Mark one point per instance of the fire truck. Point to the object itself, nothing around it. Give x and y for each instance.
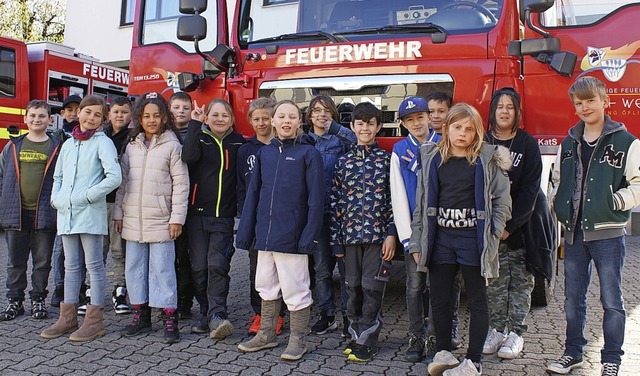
(383, 51)
(51, 72)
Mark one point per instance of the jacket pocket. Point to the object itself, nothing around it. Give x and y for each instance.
(164, 207)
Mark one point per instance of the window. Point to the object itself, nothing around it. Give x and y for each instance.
(276, 2)
(580, 12)
(126, 14)
(7, 72)
(161, 10)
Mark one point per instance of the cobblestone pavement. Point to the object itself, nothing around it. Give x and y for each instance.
(23, 352)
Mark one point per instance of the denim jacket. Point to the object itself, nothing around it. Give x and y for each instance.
(332, 145)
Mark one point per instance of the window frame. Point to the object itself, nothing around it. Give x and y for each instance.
(277, 2)
(15, 72)
(123, 12)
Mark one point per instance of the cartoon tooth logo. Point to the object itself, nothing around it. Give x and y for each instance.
(613, 63)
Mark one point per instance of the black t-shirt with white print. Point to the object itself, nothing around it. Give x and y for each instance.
(456, 200)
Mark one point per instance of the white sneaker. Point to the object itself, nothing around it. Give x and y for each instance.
(493, 342)
(443, 360)
(511, 347)
(466, 368)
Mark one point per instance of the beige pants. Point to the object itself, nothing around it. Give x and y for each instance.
(284, 275)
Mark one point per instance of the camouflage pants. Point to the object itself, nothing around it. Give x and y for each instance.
(509, 295)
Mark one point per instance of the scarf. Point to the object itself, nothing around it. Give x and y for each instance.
(82, 136)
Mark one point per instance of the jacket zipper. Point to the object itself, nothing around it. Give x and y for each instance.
(273, 192)
(46, 168)
(222, 163)
(144, 168)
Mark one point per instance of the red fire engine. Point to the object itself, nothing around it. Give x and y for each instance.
(50, 72)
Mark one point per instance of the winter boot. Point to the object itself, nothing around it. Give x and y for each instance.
(299, 323)
(67, 322)
(266, 336)
(141, 320)
(92, 326)
(171, 329)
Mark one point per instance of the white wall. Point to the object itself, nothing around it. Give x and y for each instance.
(93, 28)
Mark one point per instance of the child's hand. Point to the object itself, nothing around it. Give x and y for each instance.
(416, 257)
(197, 113)
(505, 235)
(389, 248)
(340, 255)
(175, 230)
(117, 223)
(410, 157)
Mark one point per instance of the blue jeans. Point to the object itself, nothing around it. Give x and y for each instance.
(151, 265)
(20, 245)
(57, 263)
(608, 258)
(78, 250)
(323, 264)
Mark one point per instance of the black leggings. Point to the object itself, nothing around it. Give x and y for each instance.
(441, 277)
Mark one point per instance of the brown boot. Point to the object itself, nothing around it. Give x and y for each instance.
(67, 322)
(299, 322)
(92, 326)
(266, 336)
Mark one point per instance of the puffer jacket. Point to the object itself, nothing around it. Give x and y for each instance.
(492, 200)
(361, 199)
(10, 199)
(285, 199)
(154, 190)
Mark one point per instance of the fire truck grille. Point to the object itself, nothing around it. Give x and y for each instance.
(369, 90)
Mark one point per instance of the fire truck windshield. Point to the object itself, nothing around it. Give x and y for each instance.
(355, 19)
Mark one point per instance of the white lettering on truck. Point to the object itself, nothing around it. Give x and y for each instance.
(354, 52)
(104, 73)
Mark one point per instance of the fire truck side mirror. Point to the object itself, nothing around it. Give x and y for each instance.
(193, 6)
(533, 6)
(188, 81)
(192, 28)
(564, 62)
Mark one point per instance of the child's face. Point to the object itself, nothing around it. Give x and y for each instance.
(462, 133)
(365, 130)
(261, 122)
(286, 120)
(320, 116)
(438, 111)
(37, 120)
(591, 110)
(218, 119)
(505, 113)
(90, 117)
(120, 116)
(417, 124)
(70, 113)
(181, 110)
(152, 120)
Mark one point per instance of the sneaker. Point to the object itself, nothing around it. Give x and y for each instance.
(362, 353)
(610, 369)
(83, 301)
(415, 351)
(564, 365)
(279, 325)
(349, 349)
(430, 345)
(443, 360)
(201, 326)
(255, 324)
(511, 347)
(119, 300)
(222, 328)
(13, 310)
(39, 309)
(466, 368)
(456, 343)
(324, 324)
(493, 342)
(57, 297)
(345, 327)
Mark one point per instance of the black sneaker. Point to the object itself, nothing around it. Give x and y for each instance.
(201, 326)
(362, 353)
(430, 345)
(83, 300)
(324, 324)
(39, 309)
(57, 297)
(564, 365)
(456, 343)
(13, 310)
(610, 369)
(345, 327)
(349, 349)
(415, 351)
(119, 300)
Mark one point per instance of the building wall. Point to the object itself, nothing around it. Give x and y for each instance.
(93, 28)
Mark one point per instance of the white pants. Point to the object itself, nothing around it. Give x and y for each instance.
(284, 275)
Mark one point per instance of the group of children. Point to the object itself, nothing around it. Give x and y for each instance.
(456, 197)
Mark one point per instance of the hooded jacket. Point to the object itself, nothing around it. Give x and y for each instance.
(120, 139)
(246, 162)
(492, 200)
(154, 190)
(285, 199)
(607, 190)
(212, 171)
(10, 198)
